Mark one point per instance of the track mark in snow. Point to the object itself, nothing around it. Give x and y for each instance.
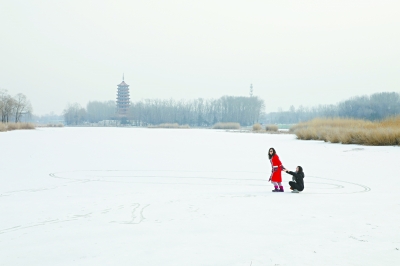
(45, 222)
(20, 227)
(334, 186)
(82, 215)
(193, 208)
(136, 215)
(355, 238)
(10, 229)
(34, 190)
(207, 178)
(105, 211)
(365, 188)
(355, 149)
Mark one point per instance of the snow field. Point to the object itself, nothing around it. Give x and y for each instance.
(127, 196)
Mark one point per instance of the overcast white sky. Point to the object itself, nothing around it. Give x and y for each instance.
(294, 52)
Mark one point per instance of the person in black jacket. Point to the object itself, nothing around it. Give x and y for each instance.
(297, 184)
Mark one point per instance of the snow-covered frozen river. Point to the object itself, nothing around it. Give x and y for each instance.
(127, 196)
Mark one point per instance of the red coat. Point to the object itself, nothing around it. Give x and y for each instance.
(276, 174)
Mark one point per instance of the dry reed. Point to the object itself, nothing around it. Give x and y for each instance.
(227, 125)
(54, 125)
(49, 125)
(169, 125)
(350, 131)
(3, 127)
(271, 128)
(16, 126)
(257, 127)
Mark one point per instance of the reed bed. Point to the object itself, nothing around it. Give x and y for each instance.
(271, 128)
(3, 127)
(54, 125)
(257, 127)
(15, 126)
(169, 125)
(268, 128)
(350, 131)
(227, 125)
(49, 125)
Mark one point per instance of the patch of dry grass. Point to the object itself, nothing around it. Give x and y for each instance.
(3, 127)
(54, 125)
(49, 125)
(257, 127)
(271, 128)
(350, 131)
(268, 129)
(16, 126)
(227, 125)
(169, 125)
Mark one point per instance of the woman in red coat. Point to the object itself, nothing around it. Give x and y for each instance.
(276, 173)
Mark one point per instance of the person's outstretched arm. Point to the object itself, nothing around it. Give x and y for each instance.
(294, 174)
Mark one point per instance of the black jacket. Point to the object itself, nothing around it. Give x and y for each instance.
(298, 178)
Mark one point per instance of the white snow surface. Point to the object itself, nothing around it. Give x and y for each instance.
(136, 196)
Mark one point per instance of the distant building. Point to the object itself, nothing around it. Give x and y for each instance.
(123, 101)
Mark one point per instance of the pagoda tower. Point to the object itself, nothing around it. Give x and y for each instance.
(123, 100)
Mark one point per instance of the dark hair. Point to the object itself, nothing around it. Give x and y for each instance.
(273, 152)
(300, 169)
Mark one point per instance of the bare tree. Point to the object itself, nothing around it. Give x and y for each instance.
(74, 114)
(98, 111)
(198, 112)
(21, 106)
(7, 105)
(374, 107)
(3, 94)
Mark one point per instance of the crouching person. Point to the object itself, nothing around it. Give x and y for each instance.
(297, 183)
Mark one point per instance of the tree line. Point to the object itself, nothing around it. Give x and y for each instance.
(374, 107)
(244, 110)
(198, 112)
(13, 108)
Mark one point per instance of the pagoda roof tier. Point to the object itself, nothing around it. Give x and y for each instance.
(123, 84)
